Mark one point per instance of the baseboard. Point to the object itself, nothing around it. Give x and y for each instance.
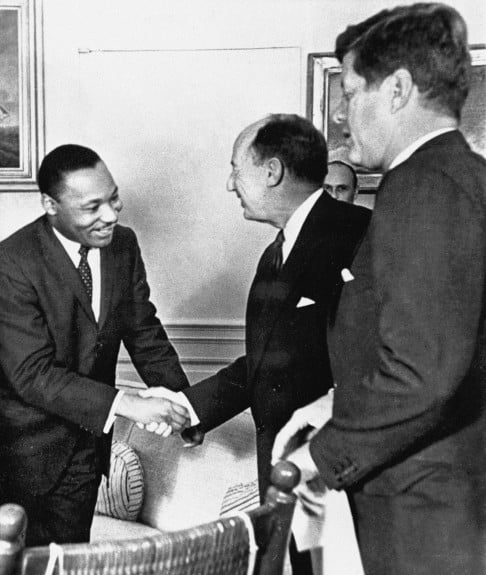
(203, 348)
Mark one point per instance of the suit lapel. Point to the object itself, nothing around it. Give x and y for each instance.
(107, 281)
(62, 266)
(262, 316)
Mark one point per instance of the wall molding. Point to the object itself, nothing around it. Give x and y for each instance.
(203, 347)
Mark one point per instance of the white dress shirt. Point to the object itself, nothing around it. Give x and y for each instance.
(295, 223)
(409, 150)
(72, 250)
(94, 261)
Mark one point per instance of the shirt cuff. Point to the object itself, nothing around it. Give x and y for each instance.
(110, 420)
(182, 398)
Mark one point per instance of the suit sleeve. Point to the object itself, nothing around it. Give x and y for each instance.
(30, 368)
(427, 270)
(145, 338)
(218, 398)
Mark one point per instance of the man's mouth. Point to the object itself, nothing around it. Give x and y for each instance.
(106, 231)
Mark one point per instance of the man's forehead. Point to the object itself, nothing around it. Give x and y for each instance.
(86, 181)
(349, 74)
(339, 170)
(247, 136)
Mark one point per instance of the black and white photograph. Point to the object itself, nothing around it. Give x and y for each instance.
(242, 287)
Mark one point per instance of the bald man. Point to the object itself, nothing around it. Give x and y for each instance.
(341, 182)
(278, 166)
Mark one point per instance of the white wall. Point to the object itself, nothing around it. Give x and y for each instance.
(160, 89)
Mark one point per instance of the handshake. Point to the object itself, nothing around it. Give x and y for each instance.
(161, 411)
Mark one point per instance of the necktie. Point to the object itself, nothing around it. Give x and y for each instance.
(276, 257)
(85, 271)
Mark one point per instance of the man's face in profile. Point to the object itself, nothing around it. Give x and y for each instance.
(340, 183)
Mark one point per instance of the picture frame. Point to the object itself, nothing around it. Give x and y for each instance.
(324, 94)
(21, 94)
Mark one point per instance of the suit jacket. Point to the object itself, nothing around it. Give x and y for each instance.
(286, 363)
(408, 346)
(57, 363)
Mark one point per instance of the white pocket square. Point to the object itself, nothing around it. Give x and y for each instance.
(346, 275)
(305, 301)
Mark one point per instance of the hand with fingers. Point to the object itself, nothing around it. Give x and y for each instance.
(157, 414)
(191, 434)
(303, 424)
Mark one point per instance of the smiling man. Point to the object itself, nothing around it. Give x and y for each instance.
(72, 288)
(277, 169)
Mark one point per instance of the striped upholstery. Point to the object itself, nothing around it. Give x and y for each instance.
(123, 497)
(240, 497)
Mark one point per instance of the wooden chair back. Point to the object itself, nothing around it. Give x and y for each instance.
(220, 547)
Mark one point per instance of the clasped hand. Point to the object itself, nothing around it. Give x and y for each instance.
(161, 414)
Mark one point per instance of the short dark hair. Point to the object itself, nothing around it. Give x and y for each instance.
(61, 161)
(297, 143)
(350, 168)
(428, 39)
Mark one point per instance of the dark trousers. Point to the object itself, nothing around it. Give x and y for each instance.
(65, 513)
(300, 561)
(432, 528)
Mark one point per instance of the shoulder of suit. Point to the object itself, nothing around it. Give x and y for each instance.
(443, 155)
(24, 241)
(354, 214)
(124, 234)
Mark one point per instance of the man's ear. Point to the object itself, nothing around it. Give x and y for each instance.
(49, 204)
(275, 172)
(401, 88)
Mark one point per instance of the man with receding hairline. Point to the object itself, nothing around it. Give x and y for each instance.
(407, 437)
(341, 182)
(277, 169)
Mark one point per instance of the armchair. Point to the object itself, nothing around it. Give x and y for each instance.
(222, 546)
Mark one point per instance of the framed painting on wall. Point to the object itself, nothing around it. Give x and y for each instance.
(21, 93)
(324, 94)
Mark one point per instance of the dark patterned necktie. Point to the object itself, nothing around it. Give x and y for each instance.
(85, 271)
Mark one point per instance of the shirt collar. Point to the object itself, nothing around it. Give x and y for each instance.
(72, 248)
(409, 150)
(296, 221)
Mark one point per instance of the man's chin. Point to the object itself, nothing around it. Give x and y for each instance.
(100, 240)
(355, 157)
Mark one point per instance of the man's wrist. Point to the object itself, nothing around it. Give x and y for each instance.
(110, 420)
(183, 399)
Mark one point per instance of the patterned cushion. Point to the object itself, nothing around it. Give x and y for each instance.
(123, 497)
(240, 497)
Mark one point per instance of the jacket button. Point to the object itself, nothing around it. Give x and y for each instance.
(260, 428)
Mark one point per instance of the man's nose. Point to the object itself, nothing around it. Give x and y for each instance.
(339, 115)
(109, 213)
(230, 183)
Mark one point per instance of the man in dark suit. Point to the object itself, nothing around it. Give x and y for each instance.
(407, 438)
(278, 166)
(60, 333)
